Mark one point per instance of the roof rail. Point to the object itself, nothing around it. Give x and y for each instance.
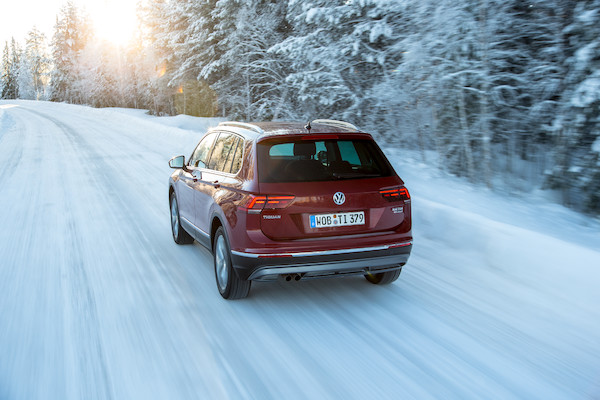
(244, 125)
(333, 122)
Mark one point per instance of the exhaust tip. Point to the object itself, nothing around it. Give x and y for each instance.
(290, 277)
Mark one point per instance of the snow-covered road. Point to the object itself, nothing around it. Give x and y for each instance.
(96, 301)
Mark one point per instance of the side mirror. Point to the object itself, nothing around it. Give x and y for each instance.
(177, 162)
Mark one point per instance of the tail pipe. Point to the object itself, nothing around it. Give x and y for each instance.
(291, 277)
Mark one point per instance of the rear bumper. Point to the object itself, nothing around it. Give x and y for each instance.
(315, 264)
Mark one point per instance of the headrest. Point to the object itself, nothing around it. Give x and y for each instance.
(306, 149)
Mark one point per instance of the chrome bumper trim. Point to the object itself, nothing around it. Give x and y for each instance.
(321, 253)
(330, 269)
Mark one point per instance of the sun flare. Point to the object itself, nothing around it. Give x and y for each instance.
(113, 21)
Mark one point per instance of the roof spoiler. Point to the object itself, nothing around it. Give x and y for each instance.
(336, 123)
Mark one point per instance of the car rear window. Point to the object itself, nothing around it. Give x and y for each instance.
(320, 160)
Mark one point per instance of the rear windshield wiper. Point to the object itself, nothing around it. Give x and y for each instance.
(354, 175)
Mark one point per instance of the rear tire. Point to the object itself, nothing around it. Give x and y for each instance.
(230, 286)
(180, 236)
(384, 278)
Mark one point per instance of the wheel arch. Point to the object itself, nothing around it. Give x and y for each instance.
(171, 191)
(215, 223)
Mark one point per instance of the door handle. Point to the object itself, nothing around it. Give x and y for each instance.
(216, 184)
(196, 175)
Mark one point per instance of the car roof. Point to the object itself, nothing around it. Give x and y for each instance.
(258, 130)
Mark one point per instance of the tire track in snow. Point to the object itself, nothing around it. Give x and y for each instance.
(81, 315)
(8, 137)
(445, 330)
(114, 188)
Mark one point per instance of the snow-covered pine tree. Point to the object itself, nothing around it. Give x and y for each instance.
(525, 70)
(5, 72)
(25, 79)
(146, 85)
(35, 67)
(400, 103)
(249, 80)
(71, 33)
(472, 78)
(11, 61)
(36, 50)
(136, 74)
(576, 173)
(192, 45)
(441, 77)
(331, 58)
(165, 24)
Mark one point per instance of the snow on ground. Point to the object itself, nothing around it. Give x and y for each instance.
(498, 300)
(179, 121)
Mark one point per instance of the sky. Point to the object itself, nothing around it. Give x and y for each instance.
(114, 19)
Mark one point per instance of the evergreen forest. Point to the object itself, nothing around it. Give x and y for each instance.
(503, 93)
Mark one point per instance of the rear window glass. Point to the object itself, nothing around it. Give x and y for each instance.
(325, 160)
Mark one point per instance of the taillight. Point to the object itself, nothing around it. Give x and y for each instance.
(279, 201)
(396, 194)
(258, 203)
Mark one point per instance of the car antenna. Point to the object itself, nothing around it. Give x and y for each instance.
(308, 127)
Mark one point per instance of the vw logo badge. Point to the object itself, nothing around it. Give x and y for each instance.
(339, 198)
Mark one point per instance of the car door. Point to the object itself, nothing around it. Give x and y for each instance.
(211, 178)
(189, 180)
(185, 196)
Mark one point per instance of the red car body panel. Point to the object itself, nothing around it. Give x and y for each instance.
(269, 242)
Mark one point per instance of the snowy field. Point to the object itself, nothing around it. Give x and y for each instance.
(500, 299)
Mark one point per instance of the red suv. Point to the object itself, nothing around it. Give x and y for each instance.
(280, 200)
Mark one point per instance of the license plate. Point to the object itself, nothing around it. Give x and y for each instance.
(338, 219)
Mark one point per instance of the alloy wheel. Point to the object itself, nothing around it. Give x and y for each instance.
(221, 267)
(174, 218)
